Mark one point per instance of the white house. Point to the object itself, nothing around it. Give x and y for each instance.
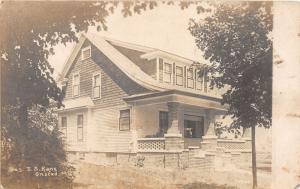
(123, 101)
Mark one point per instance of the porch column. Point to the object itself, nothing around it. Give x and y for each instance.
(210, 139)
(173, 118)
(173, 137)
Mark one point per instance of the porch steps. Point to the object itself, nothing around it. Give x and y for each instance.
(200, 158)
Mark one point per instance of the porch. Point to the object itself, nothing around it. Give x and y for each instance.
(173, 120)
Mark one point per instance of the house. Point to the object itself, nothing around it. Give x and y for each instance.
(125, 101)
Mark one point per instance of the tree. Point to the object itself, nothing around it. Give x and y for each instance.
(29, 31)
(44, 148)
(235, 38)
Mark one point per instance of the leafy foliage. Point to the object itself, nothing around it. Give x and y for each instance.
(235, 38)
(38, 145)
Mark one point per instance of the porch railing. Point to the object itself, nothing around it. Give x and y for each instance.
(151, 144)
(234, 144)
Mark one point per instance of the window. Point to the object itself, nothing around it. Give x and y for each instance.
(163, 122)
(199, 79)
(86, 53)
(76, 79)
(124, 120)
(97, 85)
(167, 72)
(190, 78)
(80, 128)
(206, 80)
(64, 127)
(179, 75)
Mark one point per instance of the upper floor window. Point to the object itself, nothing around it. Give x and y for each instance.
(97, 85)
(86, 53)
(76, 79)
(199, 79)
(124, 120)
(80, 128)
(167, 72)
(190, 78)
(179, 75)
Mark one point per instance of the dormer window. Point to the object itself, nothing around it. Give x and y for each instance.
(76, 79)
(86, 53)
(179, 75)
(167, 72)
(97, 85)
(200, 80)
(190, 78)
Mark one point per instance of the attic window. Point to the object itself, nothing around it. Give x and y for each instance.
(86, 53)
(190, 78)
(179, 75)
(167, 72)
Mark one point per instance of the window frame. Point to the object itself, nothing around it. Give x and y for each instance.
(94, 85)
(84, 49)
(160, 123)
(80, 127)
(190, 78)
(199, 80)
(178, 75)
(129, 121)
(73, 84)
(166, 73)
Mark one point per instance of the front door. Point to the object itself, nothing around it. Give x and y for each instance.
(193, 130)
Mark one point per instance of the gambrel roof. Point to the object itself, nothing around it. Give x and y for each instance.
(119, 54)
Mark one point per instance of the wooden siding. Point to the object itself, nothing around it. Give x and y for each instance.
(101, 131)
(72, 143)
(107, 137)
(147, 66)
(114, 83)
(147, 119)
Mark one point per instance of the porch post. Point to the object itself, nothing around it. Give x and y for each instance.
(173, 118)
(210, 139)
(173, 137)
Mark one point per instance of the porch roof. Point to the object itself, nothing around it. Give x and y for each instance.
(200, 100)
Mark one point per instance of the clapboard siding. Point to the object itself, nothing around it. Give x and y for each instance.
(107, 137)
(115, 85)
(72, 143)
(102, 132)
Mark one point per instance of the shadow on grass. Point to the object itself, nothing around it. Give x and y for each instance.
(199, 185)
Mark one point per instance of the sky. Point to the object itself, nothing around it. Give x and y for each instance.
(164, 27)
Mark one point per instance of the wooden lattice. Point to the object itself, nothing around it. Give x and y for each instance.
(151, 144)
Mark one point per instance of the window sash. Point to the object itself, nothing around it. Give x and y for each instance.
(80, 128)
(96, 92)
(63, 122)
(179, 75)
(163, 122)
(167, 72)
(199, 81)
(86, 53)
(124, 120)
(97, 80)
(190, 78)
(76, 79)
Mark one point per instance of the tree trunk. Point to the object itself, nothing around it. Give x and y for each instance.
(254, 170)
